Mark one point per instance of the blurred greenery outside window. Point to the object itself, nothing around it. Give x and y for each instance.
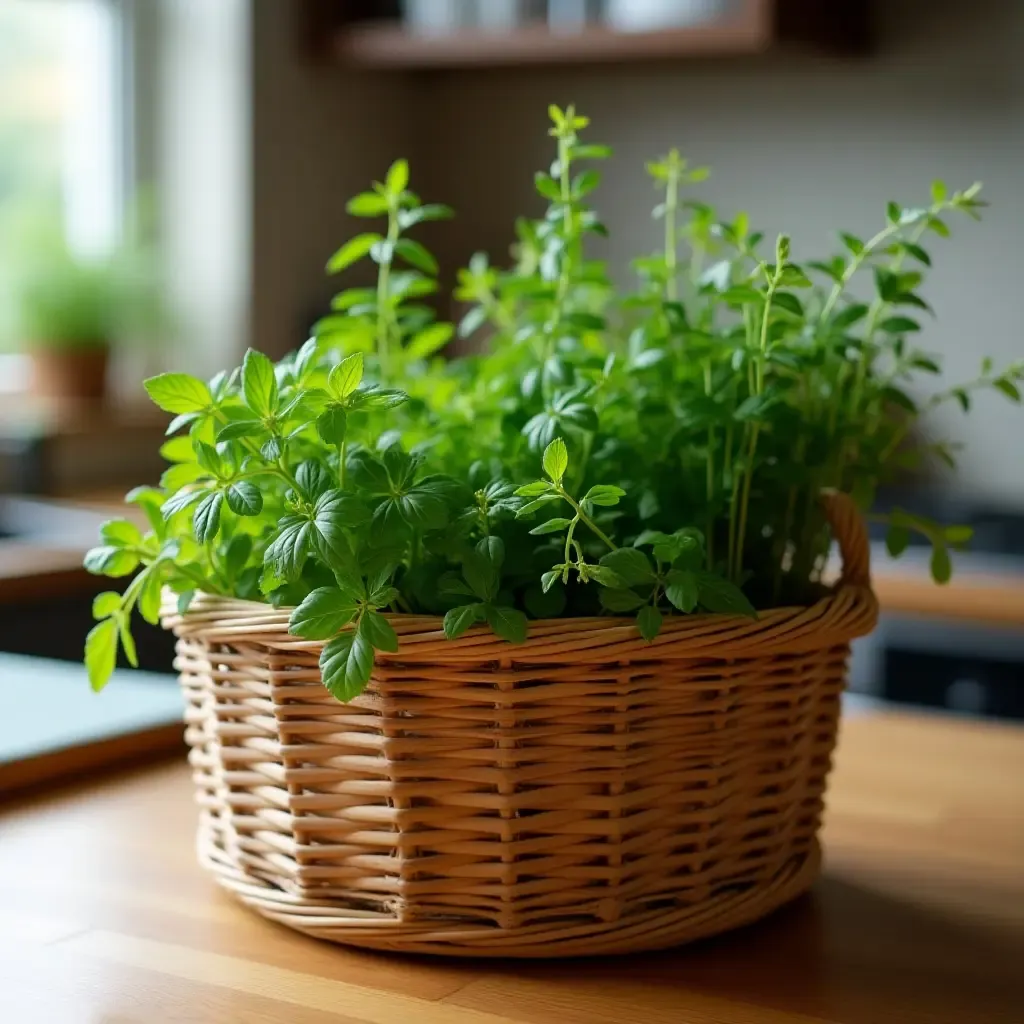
(64, 153)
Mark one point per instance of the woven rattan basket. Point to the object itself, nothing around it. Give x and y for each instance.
(581, 793)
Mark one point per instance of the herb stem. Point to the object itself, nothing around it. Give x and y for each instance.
(383, 289)
(671, 233)
(586, 520)
(759, 364)
(568, 255)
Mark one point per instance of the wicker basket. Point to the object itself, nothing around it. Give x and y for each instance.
(581, 793)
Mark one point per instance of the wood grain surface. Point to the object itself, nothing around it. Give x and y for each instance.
(104, 916)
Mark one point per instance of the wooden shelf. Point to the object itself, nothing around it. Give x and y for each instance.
(388, 46)
(754, 29)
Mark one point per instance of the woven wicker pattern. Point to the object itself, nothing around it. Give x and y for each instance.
(584, 792)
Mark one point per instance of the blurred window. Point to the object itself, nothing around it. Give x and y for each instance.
(63, 144)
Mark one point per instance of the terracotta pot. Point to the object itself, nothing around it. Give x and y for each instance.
(70, 374)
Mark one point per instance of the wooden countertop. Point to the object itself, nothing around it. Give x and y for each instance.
(919, 917)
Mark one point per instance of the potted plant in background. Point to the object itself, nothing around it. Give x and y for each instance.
(535, 651)
(72, 309)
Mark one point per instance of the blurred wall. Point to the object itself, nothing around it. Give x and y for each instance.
(807, 146)
(319, 135)
(193, 80)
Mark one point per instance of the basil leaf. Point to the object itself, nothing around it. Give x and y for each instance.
(178, 393)
(245, 498)
(322, 614)
(509, 623)
(346, 664)
(259, 384)
(101, 653)
(458, 620)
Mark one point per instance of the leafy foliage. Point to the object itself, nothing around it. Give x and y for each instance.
(653, 454)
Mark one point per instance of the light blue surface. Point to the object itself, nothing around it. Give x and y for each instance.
(48, 705)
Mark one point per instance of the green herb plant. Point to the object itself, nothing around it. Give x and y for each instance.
(654, 453)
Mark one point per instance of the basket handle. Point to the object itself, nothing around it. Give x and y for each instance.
(851, 535)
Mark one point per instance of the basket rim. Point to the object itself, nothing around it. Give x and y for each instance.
(849, 610)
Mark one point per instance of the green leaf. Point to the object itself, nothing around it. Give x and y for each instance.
(941, 566)
(509, 623)
(182, 500)
(429, 211)
(534, 489)
(352, 251)
(378, 398)
(209, 458)
(585, 183)
(120, 533)
(1008, 388)
(244, 498)
(557, 525)
(150, 596)
(416, 255)
(899, 398)
(854, 244)
(423, 508)
(332, 424)
(789, 303)
(286, 553)
(429, 340)
(849, 316)
(397, 177)
(793, 277)
(547, 186)
(605, 576)
(618, 599)
(556, 460)
(720, 595)
(322, 614)
(604, 494)
(346, 664)
(206, 518)
(178, 449)
(150, 500)
(240, 428)
(958, 536)
(237, 554)
(917, 252)
(127, 640)
(101, 653)
(897, 539)
(178, 393)
(630, 565)
(105, 604)
(648, 621)
(682, 592)
(458, 620)
(899, 325)
(313, 479)
(346, 376)
(378, 632)
(472, 321)
(481, 574)
(367, 204)
(259, 385)
(334, 513)
(493, 549)
(109, 560)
